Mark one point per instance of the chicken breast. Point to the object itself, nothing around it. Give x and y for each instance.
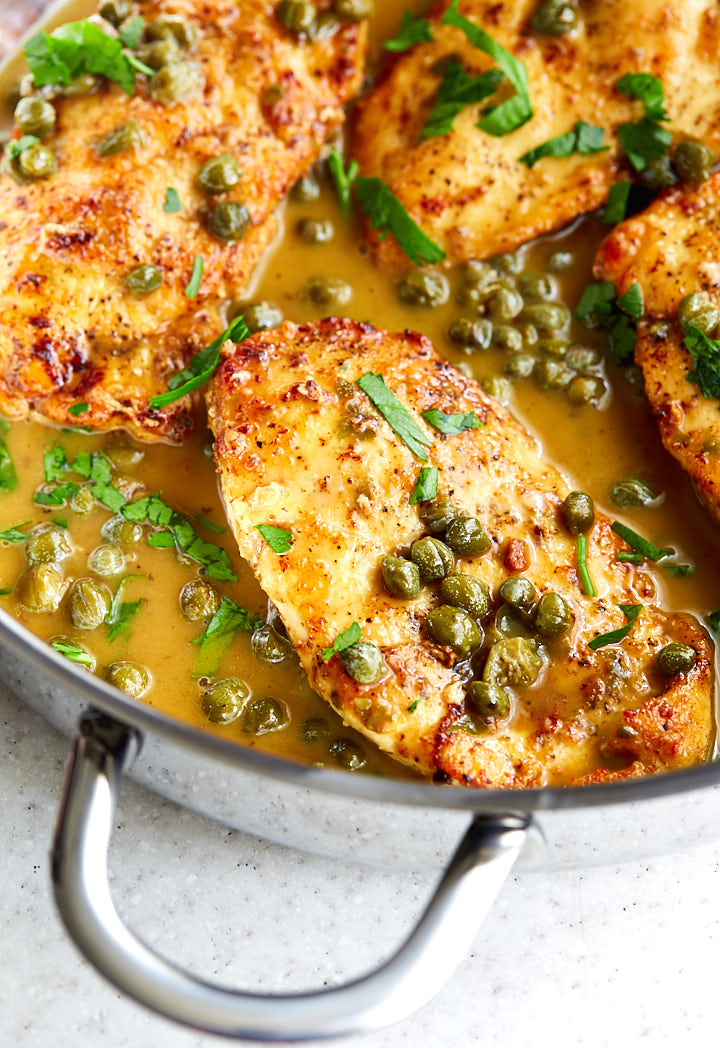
(467, 189)
(670, 250)
(69, 330)
(301, 448)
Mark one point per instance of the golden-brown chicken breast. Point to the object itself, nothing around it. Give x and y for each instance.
(467, 189)
(671, 250)
(70, 331)
(301, 448)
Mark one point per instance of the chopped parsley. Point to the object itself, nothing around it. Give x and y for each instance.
(8, 473)
(412, 31)
(278, 539)
(210, 524)
(196, 276)
(395, 414)
(172, 201)
(640, 544)
(705, 355)
(343, 640)
(18, 145)
(451, 424)
(617, 202)
(457, 90)
(413, 706)
(75, 48)
(644, 140)
(680, 571)
(14, 534)
(714, 620)
(631, 612)
(426, 485)
(229, 620)
(81, 408)
(627, 557)
(584, 139)
(58, 496)
(131, 31)
(342, 177)
(152, 510)
(73, 652)
(121, 613)
(618, 315)
(55, 464)
(387, 215)
(648, 89)
(200, 369)
(585, 580)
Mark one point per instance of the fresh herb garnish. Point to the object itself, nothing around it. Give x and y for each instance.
(200, 369)
(386, 214)
(617, 315)
(626, 557)
(161, 540)
(714, 620)
(4, 591)
(210, 524)
(617, 202)
(152, 510)
(451, 424)
(680, 571)
(516, 111)
(343, 640)
(641, 545)
(395, 414)
(457, 90)
(55, 464)
(412, 31)
(342, 177)
(14, 534)
(75, 48)
(81, 408)
(196, 276)
(584, 139)
(131, 31)
(18, 145)
(585, 580)
(73, 652)
(121, 613)
(646, 88)
(8, 474)
(228, 620)
(705, 355)
(172, 201)
(631, 612)
(426, 485)
(413, 706)
(278, 539)
(645, 139)
(58, 496)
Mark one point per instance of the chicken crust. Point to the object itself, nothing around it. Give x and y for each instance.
(670, 250)
(69, 331)
(300, 447)
(467, 189)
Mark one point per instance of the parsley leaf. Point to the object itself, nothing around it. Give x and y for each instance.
(278, 539)
(131, 31)
(617, 202)
(617, 315)
(386, 213)
(680, 571)
(73, 652)
(412, 31)
(58, 496)
(172, 203)
(648, 89)
(457, 90)
(584, 574)
(8, 473)
(426, 485)
(152, 510)
(343, 640)
(641, 545)
(644, 140)
(342, 177)
(705, 355)
(75, 48)
(228, 620)
(14, 534)
(194, 283)
(55, 464)
(395, 414)
(121, 613)
(80, 408)
(200, 369)
(584, 139)
(451, 424)
(631, 612)
(714, 620)
(18, 145)
(210, 524)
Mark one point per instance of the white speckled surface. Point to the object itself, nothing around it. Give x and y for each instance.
(619, 955)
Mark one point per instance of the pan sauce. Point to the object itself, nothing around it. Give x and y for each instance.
(596, 447)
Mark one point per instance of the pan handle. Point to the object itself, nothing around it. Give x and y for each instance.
(102, 749)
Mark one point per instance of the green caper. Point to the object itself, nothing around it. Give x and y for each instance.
(296, 15)
(126, 136)
(506, 337)
(261, 316)
(477, 273)
(41, 588)
(306, 190)
(675, 658)
(518, 592)
(35, 116)
(268, 646)
(467, 537)
(38, 161)
(505, 304)
(580, 357)
(508, 263)
(520, 365)
(114, 11)
(552, 615)
(160, 53)
(348, 754)
(632, 493)
(658, 174)
(223, 701)
(537, 287)
(586, 389)
(353, 10)
(453, 628)
(578, 511)
(548, 317)
(437, 514)
(659, 331)
(272, 96)
(324, 26)
(555, 18)
(327, 291)
(84, 84)
(514, 661)
(88, 604)
(199, 600)
(123, 456)
(262, 716)
(529, 334)
(497, 387)
(471, 331)
(424, 287)
(401, 577)
(697, 310)
(364, 662)
(219, 174)
(488, 700)
(87, 661)
(128, 677)
(229, 221)
(433, 558)
(143, 280)
(83, 501)
(169, 27)
(560, 261)
(510, 622)
(553, 374)
(121, 532)
(177, 81)
(106, 561)
(553, 347)
(315, 230)
(315, 729)
(47, 544)
(692, 161)
(466, 592)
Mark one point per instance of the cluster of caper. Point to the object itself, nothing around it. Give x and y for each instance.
(555, 17)
(689, 161)
(34, 116)
(328, 292)
(228, 700)
(227, 220)
(166, 43)
(42, 586)
(345, 752)
(301, 18)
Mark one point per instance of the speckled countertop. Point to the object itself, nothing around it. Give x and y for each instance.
(612, 956)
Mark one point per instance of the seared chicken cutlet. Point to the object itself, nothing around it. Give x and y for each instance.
(70, 330)
(468, 189)
(300, 447)
(671, 251)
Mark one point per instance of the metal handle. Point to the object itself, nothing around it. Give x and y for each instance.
(444, 933)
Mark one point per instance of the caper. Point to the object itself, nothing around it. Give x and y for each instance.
(658, 174)
(560, 261)
(471, 331)
(160, 53)
(514, 661)
(353, 10)
(698, 311)
(199, 600)
(296, 15)
(466, 592)
(325, 25)
(315, 230)
(497, 387)
(124, 457)
(47, 544)
(38, 161)
(169, 27)
(520, 365)
(555, 18)
(433, 558)
(272, 96)
(675, 658)
(327, 291)
(348, 754)
(424, 287)
(364, 662)
(143, 280)
(552, 373)
(505, 304)
(518, 592)
(40, 589)
(262, 716)
(126, 136)
(261, 316)
(467, 537)
(510, 622)
(548, 317)
(632, 493)
(268, 646)
(453, 628)
(229, 221)
(506, 337)
(553, 347)
(223, 701)
(88, 604)
(477, 273)
(87, 661)
(401, 577)
(81, 85)
(578, 511)
(306, 190)
(586, 389)
(315, 729)
(508, 263)
(437, 514)
(35, 116)
(489, 700)
(692, 161)
(580, 357)
(536, 286)
(114, 11)
(83, 501)
(106, 561)
(219, 174)
(177, 81)
(659, 331)
(529, 334)
(552, 615)
(128, 677)
(121, 532)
